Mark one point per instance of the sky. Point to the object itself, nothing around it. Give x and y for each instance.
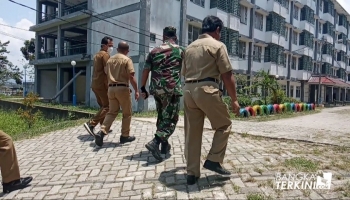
(21, 17)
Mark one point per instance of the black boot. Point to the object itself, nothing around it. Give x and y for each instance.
(89, 129)
(215, 167)
(165, 147)
(16, 185)
(153, 147)
(99, 138)
(126, 139)
(191, 179)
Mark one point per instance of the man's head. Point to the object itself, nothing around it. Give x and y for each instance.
(169, 32)
(107, 44)
(212, 25)
(123, 48)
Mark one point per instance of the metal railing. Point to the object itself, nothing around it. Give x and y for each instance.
(48, 17)
(74, 50)
(76, 8)
(50, 53)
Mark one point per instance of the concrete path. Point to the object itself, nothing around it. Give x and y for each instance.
(330, 126)
(66, 164)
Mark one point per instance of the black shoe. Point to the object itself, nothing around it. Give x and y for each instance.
(89, 129)
(110, 131)
(215, 167)
(126, 139)
(99, 138)
(17, 184)
(165, 148)
(153, 147)
(191, 179)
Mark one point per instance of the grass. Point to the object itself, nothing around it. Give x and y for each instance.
(151, 114)
(301, 164)
(11, 124)
(258, 196)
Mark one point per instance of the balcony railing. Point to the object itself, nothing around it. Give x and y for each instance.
(74, 50)
(76, 8)
(50, 53)
(48, 17)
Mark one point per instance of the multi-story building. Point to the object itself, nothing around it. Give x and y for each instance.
(282, 36)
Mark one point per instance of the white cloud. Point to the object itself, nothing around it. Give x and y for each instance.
(15, 44)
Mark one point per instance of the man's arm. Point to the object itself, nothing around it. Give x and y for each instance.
(183, 64)
(225, 69)
(146, 69)
(104, 62)
(131, 71)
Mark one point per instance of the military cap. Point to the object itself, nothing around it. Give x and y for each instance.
(169, 30)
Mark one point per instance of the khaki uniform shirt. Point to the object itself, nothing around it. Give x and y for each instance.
(205, 58)
(119, 68)
(99, 77)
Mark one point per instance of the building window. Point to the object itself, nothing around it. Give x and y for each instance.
(291, 91)
(199, 2)
(320, 25)
(152, 37)
(259, 21)
(193, 33)
(285, 60)
(286, 33)
(257, 53)
(296, 12)
(295, 38)
(321, 6)
(242, 49)
(244, 15)
(298, 92)
(294, 63)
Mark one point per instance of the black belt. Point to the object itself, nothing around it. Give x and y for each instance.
(202, 80)
(115, 84)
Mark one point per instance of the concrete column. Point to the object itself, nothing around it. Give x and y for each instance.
(61, 6)
(302, 90)
(332, 94)
(39, 7)
(37, 46)
(60, 41)
(88, 83)
(59, 83)
(339, 94)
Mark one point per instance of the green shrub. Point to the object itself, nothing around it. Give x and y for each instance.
(291, 100)
(258, 102)
(28, 115)
(243, 101)
(278, 97)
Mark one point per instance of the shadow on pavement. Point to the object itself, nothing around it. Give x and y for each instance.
(85, 138)
(177, 180)
(146, 157)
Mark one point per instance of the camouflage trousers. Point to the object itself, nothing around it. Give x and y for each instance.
(168, 107)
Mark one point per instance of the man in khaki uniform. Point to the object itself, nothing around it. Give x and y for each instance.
(120, 70)
(10, 174)
(206, 62)
(99, 83)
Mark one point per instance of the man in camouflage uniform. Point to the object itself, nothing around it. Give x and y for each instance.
(164, 63)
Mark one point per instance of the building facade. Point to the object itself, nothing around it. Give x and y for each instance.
(294, 39)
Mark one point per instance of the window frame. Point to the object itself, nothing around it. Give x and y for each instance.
(243, 15)
(259, 21)
(200, 3)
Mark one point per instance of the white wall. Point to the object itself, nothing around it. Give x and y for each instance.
(48, 84)
(107, 5)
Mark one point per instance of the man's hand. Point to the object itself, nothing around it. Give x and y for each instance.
(235, 107)
(144, 92)
(137, 95)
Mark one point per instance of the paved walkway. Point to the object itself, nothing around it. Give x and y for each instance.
(66, 164)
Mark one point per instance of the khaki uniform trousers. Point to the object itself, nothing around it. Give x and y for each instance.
(8, 159)
(102, 100)
(119, 97)
(200, 100)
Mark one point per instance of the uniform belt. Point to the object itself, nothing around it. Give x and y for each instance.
(117, 84)
(202, 80)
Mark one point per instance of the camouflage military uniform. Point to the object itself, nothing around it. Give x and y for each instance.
(164, 62)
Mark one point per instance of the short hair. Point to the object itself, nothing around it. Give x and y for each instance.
(105, 40)
(169, 31)
(211, 23)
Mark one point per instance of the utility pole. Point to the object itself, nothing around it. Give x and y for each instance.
(319, 74)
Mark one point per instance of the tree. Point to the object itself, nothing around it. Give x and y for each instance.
(28, 50)
(7, 69)
(267, 83)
